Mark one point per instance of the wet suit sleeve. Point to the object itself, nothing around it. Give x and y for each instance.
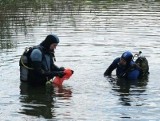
(56, 68)
(36, 58)
(113, 66)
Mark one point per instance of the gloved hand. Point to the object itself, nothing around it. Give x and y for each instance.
(57, 73)
(60, 74)
(61, 69)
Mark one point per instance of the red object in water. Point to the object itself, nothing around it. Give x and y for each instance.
(68, 73)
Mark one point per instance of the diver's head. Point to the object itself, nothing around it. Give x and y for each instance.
(50, 43)
(126, 58)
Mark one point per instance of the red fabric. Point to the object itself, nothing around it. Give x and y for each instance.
(68, 73)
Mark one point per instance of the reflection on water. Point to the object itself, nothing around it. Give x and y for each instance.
(128, 88)
(63, 92)
(36, 102)
(39, 101)
(91, 34)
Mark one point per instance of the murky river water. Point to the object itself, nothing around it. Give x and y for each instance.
(91, 35)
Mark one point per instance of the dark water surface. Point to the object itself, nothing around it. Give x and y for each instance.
(92, 34)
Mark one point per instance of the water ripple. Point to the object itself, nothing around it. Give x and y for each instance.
(92, 34)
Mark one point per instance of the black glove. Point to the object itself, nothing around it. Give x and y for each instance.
(58, 73)
(61, 69)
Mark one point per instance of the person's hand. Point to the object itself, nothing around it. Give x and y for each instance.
(57, 73)
(61, 68)
(60, 74)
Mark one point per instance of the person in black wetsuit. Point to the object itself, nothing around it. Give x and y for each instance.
(41, 60)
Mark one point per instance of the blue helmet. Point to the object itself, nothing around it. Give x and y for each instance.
(127, 56)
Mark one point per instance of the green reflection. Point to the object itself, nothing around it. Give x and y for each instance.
(17, 16)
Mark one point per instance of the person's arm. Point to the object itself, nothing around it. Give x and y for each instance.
(36, 58)
(113, 66)
(56, 68)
